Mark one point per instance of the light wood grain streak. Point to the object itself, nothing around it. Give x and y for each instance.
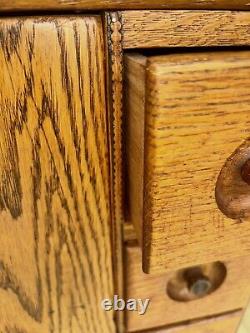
(55, 254)
(129, 232)
(163, 311)
(6, 5)
(185, 28)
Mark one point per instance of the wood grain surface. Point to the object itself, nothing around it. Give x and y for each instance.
(134, 92)
(114, 59)
(184, 28)
(196, 109)
(226, 323)
(55, 254)
(14, 5)
(164, 311)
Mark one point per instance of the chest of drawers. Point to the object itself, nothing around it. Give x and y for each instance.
(124, 132)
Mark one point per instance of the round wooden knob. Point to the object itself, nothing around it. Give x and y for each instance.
(233, 185)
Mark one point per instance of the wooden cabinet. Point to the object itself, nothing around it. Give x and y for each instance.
(112, 115)
(186, 114)
(55, 253)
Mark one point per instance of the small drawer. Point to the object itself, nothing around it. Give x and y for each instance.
(174, 299)
(185, 115)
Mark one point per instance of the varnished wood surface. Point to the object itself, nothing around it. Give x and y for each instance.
(184, 28)
(196, 110)
(227, 323)
(55, 254)
(114, 59)
(14, 5)
(163, 311)
(135, 92)
(232, 186)
(129, 232)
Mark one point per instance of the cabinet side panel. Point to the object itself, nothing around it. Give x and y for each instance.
(55, 255)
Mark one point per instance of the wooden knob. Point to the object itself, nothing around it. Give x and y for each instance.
(233, 185)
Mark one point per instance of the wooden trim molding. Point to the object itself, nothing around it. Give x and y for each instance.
(23, 5)
(114, 98)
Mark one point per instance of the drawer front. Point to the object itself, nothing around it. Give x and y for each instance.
(186, 114)
(232, 294)
(184, 28)
(55, 256)
(228, 323)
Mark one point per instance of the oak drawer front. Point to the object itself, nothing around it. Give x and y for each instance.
(184, 28)
(232, 294)
(186, 114)
(55, 256)
(228, 323)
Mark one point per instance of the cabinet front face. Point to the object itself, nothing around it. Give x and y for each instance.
(166, 309)
(195, 108)
(55, 256)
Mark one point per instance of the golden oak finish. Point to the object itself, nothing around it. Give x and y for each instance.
(129, 232)
(196, 108)
(162, 310)
(6, 5)
(227, 323)
(135, 119)
(184, 28)
(55, 254)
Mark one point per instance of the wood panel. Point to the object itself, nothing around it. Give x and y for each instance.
(227, 323)
(185, 28)
(6, 5)
(55, 254)
(134, 101)
(196, 108)
(163, 311)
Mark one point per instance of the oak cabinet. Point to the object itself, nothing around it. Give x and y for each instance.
(117, 127)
